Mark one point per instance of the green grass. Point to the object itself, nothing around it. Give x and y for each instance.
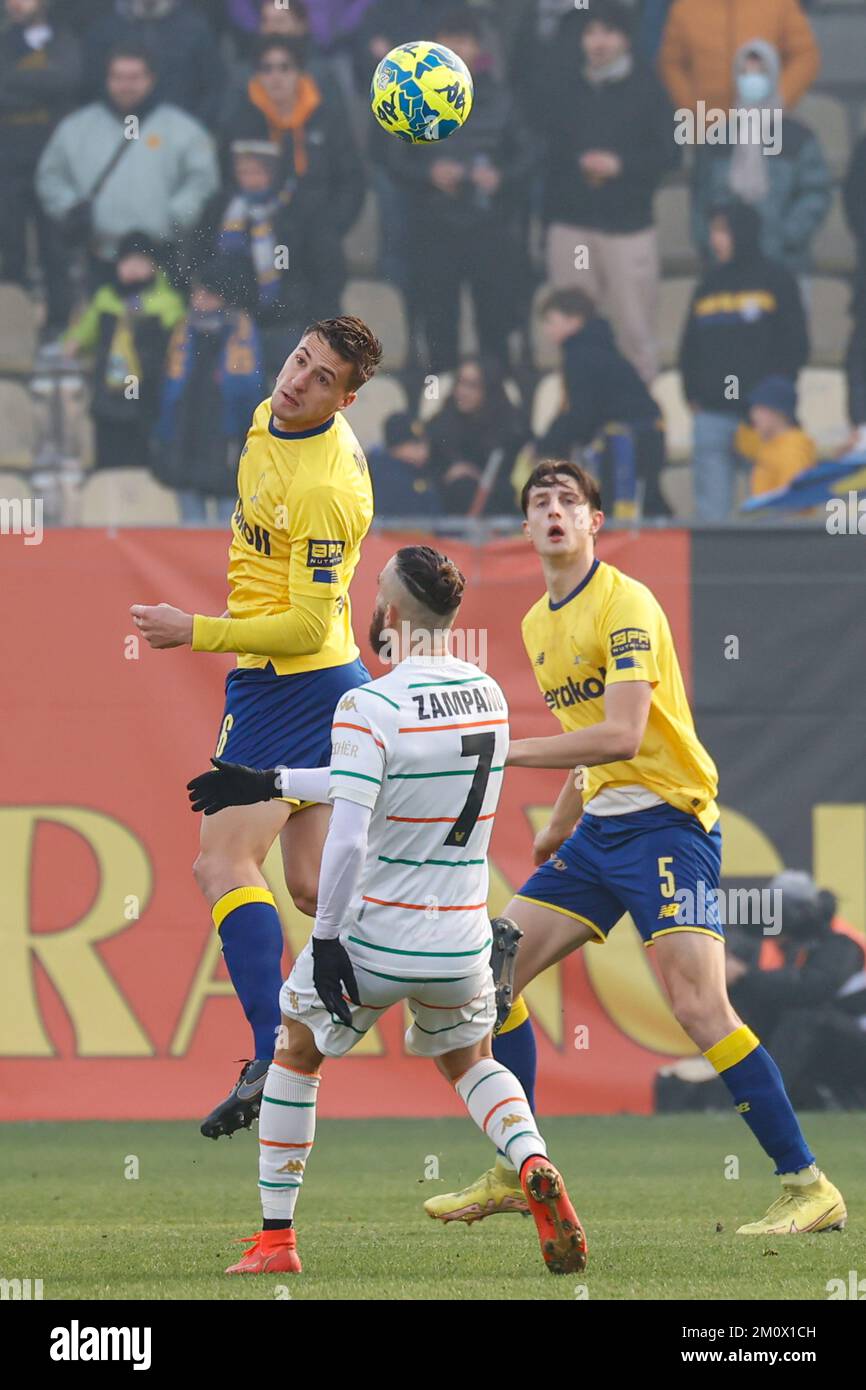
(650, 1193)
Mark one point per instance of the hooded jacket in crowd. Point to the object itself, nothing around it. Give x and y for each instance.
(601, 387)
(792, 189)
(745, 320)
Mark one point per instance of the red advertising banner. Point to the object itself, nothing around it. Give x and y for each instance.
(114, 1001)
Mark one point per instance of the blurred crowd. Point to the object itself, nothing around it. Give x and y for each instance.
(178, 179)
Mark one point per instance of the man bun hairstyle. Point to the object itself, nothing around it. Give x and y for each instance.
(431, 578)
(352, 340)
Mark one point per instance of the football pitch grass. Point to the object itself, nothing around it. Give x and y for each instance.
(660, 1213)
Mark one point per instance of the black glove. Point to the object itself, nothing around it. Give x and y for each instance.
(332, 975)
(231, 785)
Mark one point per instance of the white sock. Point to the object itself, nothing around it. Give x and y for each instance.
(802, 1178)
(497, 1103)
(287, 1126)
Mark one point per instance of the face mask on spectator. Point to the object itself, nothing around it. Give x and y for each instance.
(753, 88)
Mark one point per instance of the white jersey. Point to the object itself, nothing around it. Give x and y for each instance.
(424, 747)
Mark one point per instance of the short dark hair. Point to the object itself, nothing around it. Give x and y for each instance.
(352, 340)
(293, 48)
(570, 300)
(545, 474)
(612, 14)
(140, 52)
(431, 578)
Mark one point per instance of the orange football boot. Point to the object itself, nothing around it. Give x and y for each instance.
(562, 1238)
(271, 1252)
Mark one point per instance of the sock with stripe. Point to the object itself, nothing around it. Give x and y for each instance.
(287, 1127)
(514, 1047)
(497, 1103)
(756, 1085)
(252, 940)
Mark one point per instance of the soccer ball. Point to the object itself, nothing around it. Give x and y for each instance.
(421, 91)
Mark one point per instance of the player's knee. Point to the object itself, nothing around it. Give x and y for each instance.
(304, 894)
(217, 873)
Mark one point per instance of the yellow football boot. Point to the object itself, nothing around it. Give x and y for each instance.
(497, 1190)
(814, 1206)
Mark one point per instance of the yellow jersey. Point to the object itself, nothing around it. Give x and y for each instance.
(611, 628)
(305, 503)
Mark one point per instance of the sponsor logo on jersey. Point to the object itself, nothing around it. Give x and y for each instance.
(358, 456)
(669, 910)
(448, 703)
(324, 555)
(629, 639)
(539, 660)
(575, 692)
(344, 748)
(256, 536)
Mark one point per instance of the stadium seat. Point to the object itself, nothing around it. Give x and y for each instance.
(380, 397)
(677, 484)
(674, 298)
(380, 305)
(827, 118)
(833, 248)
(18, 433)
(127, 497)
(546, 402)
(822, 406)
(18, 331)
(362, 242)
(673, 221)
(829, 322)
(667, 390)
(13, 487)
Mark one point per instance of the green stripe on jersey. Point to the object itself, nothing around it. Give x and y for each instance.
(422, 685)
(365, 689)
(392, 950)
(460, 772)
(419, 863)
(338, 772)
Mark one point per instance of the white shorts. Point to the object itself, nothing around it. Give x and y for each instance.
(447, 1014)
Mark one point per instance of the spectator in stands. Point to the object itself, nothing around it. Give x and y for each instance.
(604, 398)
(273, 220)
(745, 322)
(702, 37)
(284, 103)
(40, 74)
(854, 195)
(809, 1002)
(475, 439)
(182, 42)
(125, 329)
(464, 204)
(791, 188)
(404, 485)
(778, 447)
(158, 181)
(609, 142)
(213, 383)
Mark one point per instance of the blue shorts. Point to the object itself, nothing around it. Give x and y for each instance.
(283, 721)
(660, 865)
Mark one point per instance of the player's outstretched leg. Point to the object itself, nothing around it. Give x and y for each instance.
(498, 1105)
(287, 1126)
(692, 966)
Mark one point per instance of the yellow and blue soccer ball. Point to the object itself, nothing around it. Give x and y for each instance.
(421, 91)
